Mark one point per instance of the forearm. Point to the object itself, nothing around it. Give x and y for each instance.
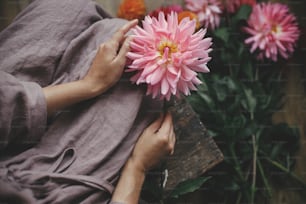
(63, 95)
(104, 72)
(130, 184)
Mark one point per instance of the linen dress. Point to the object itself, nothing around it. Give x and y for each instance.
(76, 156)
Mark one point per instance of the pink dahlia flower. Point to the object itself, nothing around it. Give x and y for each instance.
(208, 11)
(167, 55)
(273, 31)
(231, 6)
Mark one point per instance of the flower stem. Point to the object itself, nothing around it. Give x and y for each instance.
(231, 70)
(256, 73)
(237, 165)
(265, 180)
(253, 189)
(284, 169)
(239, 198)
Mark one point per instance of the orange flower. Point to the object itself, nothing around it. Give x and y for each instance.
(132, 9)
(191, 16)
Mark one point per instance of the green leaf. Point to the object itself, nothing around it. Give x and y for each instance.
(241, 49)
(223, 34)
(220, 91)
(248, 130)
(250, 101)
(207, 99)
(231, 84)
(247, 68)
(188, 186)
(243, 13)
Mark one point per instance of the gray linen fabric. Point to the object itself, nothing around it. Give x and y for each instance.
(76, 156)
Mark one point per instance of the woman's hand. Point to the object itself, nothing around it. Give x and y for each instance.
(103, 73)
(109, 62)
(155, 143)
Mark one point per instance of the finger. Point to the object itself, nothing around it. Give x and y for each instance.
(156, 124)
(172, 137)
(167, 124)
(125, 48)
(108, 51)
(172, 140)
(119, 35)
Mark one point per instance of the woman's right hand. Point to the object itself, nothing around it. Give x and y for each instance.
(156, 142)
(109, 62)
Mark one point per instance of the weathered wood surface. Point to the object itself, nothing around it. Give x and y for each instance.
(195, 151)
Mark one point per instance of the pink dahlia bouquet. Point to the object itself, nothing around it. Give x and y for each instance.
(273, 31)
(167, 55)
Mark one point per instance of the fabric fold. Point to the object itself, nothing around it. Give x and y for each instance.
(23, 111)
(78, 156)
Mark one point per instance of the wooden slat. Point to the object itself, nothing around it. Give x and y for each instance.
(195, 150)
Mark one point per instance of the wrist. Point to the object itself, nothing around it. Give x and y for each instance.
(130, 184)
(93, 88)
(133, 165)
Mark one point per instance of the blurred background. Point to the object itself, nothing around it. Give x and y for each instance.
(9, 8)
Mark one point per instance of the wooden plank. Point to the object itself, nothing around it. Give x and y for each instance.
(195, 151)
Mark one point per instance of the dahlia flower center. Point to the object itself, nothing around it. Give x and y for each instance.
(166, 48)
(276, 29)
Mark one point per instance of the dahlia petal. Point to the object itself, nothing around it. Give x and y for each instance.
(162, 20)
(146, 24)
(201, 68)
(250, 30)
(142, 40)
(192, 87)
(157, 76)
(174, 91)
(164, 86)
(267, 54)
(172, 79)
(196, 81)
(280, 45)
(199, 53)
(187, 74)
(172, 22)
(284, 55)
(216, 9)
(154, 91)
(133, 55)
(136, 47)
(149, 68)
(140, 62)
(173, 69)
(139, 31)
(135, 77)
(186, 29)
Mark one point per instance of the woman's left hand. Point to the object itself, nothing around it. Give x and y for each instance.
(104, 72)
(108, 65)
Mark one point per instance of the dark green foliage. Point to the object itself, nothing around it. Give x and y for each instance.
(236, 103)
(188, 186)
